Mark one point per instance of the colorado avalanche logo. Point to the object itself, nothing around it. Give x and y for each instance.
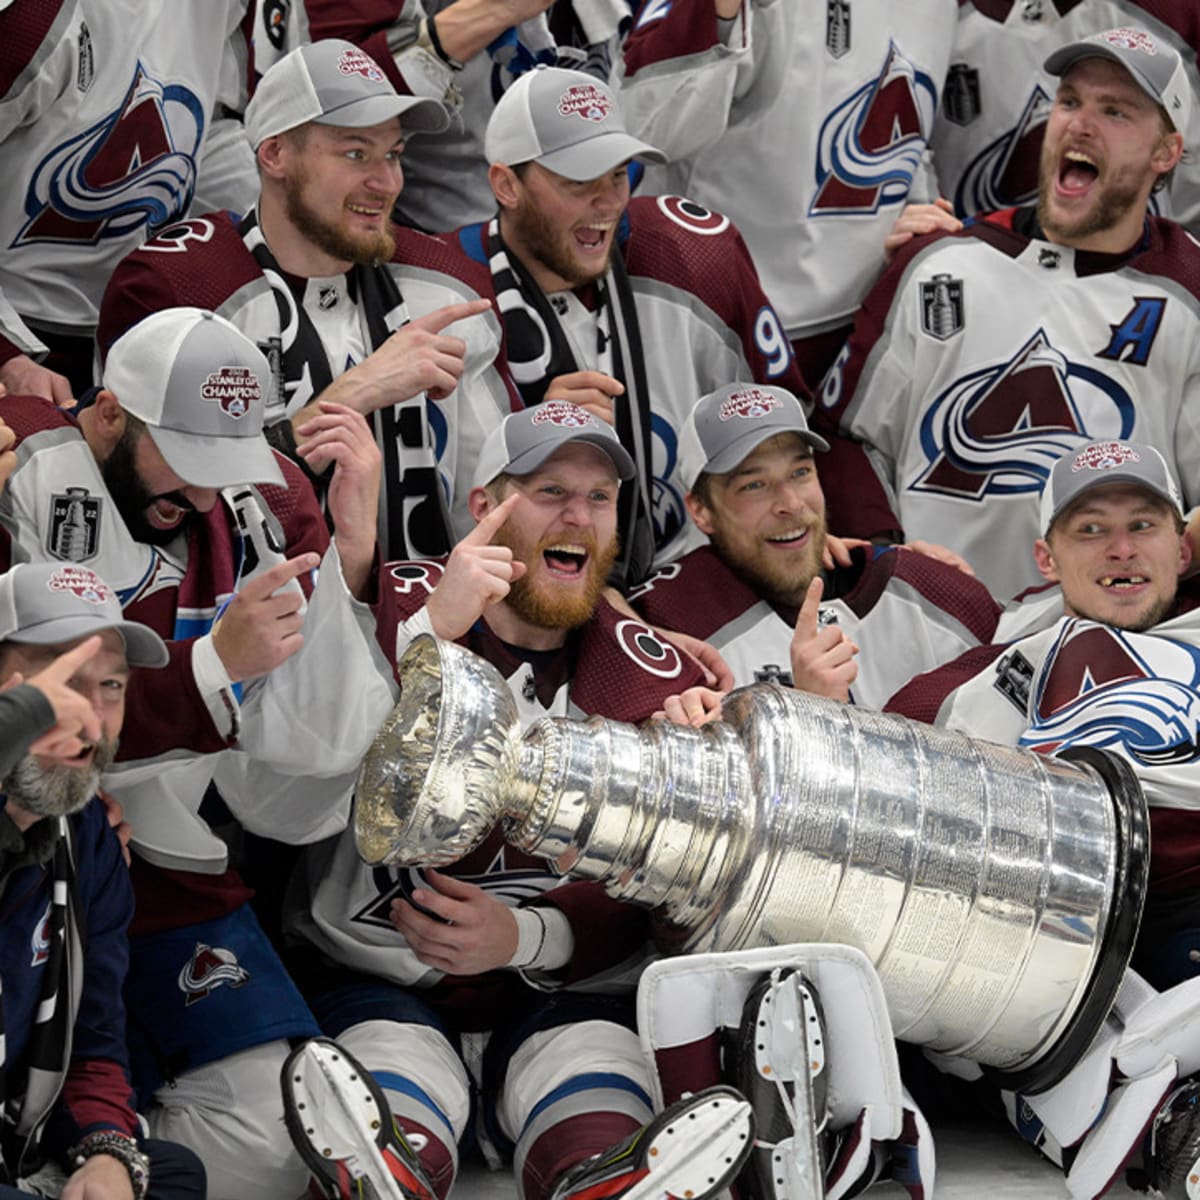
(1135, 694)
(208, 969)
(234, 389)
(999, 430)
(1005, 173)
(871, 144)
(562, 412)
(81, 582)
(586, 101)
(39, 943)
(752, 403)
(355, 62)
(133, 170)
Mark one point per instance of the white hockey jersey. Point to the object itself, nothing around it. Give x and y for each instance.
(980, 358)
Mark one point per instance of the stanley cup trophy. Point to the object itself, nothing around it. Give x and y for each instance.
(997, 891)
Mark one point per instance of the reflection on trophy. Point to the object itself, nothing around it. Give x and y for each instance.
(996, 891)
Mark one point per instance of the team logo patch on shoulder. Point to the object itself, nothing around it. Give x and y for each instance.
(208, 969)
(235, 389)
(1014, 676)
(837, 28)
(83, 583)
(942, 307)
(355, 62)
(648, 650)
(960, 98)
(586, 101)
(74, 533)
(693, 217)
(561, 412)
(1104, 457)
(750, 402)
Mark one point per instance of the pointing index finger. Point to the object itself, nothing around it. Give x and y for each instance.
(270, 581)
(810, 610)
(65, 665)
(487, 528)
(437, 320)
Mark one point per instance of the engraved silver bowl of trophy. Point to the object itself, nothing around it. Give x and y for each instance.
(997, 891)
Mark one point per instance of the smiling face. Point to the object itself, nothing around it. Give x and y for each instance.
(1105, 147)
(57, 787)
(766, 518)
(561, 230)
(1118, 553)
(564, 529)
(339, 186)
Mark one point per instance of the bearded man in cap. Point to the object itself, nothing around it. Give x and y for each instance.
(274, 684)
(498, 944)
(69, 1114)
(982, 357)
(348, 307)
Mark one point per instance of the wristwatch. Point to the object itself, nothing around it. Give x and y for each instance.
(121, 1147)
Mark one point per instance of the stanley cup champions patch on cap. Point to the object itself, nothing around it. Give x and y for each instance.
(562, 412)
(752, 402)
(586, 101)
(1129, 39)
(82, 582)
(1104, 457)
(355, 62)
(235, 389)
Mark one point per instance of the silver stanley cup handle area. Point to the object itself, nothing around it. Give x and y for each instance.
(997, 891)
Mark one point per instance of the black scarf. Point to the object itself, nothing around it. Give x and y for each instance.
(413, 518)
(538, 351)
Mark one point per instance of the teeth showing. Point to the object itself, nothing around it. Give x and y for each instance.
(568, 548)
(790, 536)
(1079, 157)
(1123, 580)
(367, 212)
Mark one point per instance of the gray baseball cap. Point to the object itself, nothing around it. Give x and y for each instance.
(1155, 66)
(569, 122)
(43, 604)
(1106, 464)
(201, 386)
(524, 440)
(333, 82)
(726, 425)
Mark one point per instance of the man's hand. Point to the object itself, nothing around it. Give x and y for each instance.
(837, 551)
(8, 456)
(23, 377)
(101, 1177)
(697, 706)
(727, 9)
(822, 658)
(75, 720)
(476, 933)
(417, 358)
(117, 822)
(259, 630)
(341, 436)
(707, 657)
(917, 219)
(477, 575)
(592, 390)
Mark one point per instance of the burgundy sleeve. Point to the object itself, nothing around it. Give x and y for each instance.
(680, 30)
(589, 909)
(922, 698)
(363, 22)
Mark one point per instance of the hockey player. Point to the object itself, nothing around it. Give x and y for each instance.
(348, 307)
(982, 357)
(68, 1120)
(758, 593)
(1119, 669)
(418, 963)
(116, 118)
(987, 136)
(630, 308)
(167, 482)
(806, 123)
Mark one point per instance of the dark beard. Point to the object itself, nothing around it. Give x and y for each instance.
(333, 241)
(785, 593)
(133, 498)
(1115, 201)
(56, 791)
(541, 242)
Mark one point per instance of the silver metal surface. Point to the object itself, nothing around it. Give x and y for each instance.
(979, 879)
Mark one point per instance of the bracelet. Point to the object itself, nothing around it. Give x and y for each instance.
(124, 1149)
(429, 34)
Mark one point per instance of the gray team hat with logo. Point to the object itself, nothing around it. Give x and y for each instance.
(43, 604)
(333, 82)
(524, 440)
(569, 122)
(1156, 67)
(201, 386)
(726, 425)
(1106, 464)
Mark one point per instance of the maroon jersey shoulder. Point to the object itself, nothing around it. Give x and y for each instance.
(697, 595)
(441, 254)
(921, 698)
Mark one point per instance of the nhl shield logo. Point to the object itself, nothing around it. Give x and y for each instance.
(960, 98)
(235, 389)
(942, 307)
(837, 28)
(74, 534)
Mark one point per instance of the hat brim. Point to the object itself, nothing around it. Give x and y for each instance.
(217, 462)
(418, 114)
(1114, 478)
(143, 647)
(527, 463)
(754, 437)
(598, 155)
